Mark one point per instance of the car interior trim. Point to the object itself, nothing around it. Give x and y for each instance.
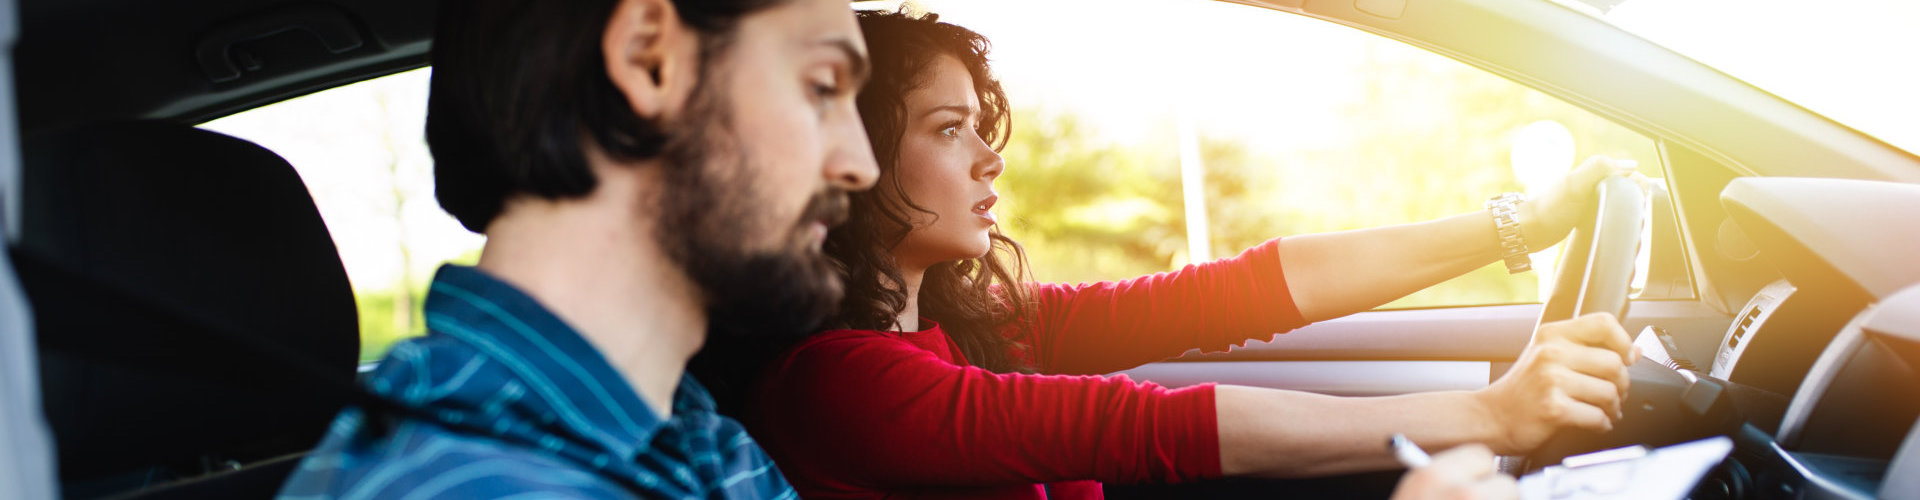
(26, 467)
(1812, 229)
(1671, 97)
(1479, 333)
(1895, 317)
(1340, 378)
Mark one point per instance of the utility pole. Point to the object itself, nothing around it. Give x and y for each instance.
(1193, 185)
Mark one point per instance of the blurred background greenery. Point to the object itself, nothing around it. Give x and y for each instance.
(1427, 138)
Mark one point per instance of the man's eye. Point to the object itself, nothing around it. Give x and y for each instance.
(823, 96)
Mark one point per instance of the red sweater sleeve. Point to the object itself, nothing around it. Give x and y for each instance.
(854, 410)
(1110, 326)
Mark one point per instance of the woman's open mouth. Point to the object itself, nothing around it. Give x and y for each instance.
(983, 207)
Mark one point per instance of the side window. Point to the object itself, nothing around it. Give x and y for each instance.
(1141, 154)
(361, 151)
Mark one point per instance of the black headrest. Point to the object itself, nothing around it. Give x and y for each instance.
(146, 248)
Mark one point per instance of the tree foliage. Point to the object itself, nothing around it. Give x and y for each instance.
(1424, 138)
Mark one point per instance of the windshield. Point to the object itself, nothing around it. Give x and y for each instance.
(1850, 60)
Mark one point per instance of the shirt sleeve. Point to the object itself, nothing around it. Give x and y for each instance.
(1109, 326)
(871, 411)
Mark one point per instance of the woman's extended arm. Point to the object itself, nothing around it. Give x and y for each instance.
(1103, 327)
(1573, 375)
(1107, 326)
(1266, 432)
(1340, 273)
(863, 410)
(870, 411)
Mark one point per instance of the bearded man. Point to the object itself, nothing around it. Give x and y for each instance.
(645, 171)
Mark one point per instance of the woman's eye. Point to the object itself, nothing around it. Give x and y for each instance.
(950, 130)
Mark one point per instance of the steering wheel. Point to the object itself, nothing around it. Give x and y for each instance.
(1597, 267)
(1596, 271)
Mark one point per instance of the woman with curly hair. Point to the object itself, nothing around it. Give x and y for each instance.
(950, 374)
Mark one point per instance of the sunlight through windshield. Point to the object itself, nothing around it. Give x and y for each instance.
(1850, 60)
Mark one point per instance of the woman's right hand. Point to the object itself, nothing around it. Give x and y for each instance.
(1461, 473)
(1573, 374)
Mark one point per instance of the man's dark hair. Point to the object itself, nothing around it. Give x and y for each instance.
(520, 87)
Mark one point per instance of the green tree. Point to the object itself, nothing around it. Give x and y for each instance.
(1085, 210)
(1425, 137)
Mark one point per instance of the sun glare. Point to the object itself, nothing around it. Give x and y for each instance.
(1150, 134)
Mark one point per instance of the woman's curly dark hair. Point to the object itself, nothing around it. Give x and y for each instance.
(973, 299)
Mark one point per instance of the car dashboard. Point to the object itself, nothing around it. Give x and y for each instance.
(1836, 341)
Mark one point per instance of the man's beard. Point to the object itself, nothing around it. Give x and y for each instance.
(710, 211)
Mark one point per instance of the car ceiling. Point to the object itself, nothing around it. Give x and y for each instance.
(82, 60)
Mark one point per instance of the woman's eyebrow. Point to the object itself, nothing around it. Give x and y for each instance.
(961, 109)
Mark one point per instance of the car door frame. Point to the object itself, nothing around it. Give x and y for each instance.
(26, 446)
(1678, 102)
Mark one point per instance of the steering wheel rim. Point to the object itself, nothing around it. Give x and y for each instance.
(1595, 275)
(1596, 271)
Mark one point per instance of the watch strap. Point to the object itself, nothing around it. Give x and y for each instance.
(1505, 209)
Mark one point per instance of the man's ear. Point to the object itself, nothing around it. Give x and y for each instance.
(647, 51)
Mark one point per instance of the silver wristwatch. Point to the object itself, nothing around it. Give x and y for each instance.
(1513, 248)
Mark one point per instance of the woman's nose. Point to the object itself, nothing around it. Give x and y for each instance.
(989, 166)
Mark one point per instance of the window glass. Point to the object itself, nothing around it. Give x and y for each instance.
(1282, 124)
(1291, 125)
(362, 153)
(1836, 64)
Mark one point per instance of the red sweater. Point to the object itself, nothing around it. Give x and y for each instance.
(869, 414)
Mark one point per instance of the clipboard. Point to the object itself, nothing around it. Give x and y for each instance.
(1633, 472)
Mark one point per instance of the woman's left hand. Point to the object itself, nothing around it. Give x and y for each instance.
(1549, 216)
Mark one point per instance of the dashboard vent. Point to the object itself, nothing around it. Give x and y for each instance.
(1745, 326)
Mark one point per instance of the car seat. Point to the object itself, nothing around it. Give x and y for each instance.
(191, 310)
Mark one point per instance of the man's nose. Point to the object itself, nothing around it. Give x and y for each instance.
(850, 164)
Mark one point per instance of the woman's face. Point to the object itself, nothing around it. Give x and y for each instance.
(947, 168)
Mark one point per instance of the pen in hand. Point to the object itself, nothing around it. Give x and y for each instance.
(1408, 453)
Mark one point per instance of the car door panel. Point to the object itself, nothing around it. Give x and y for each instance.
(1400, 351)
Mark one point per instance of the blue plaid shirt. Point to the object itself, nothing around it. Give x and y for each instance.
(525, 408)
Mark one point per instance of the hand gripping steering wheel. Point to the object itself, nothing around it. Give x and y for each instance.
(1595, 274)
